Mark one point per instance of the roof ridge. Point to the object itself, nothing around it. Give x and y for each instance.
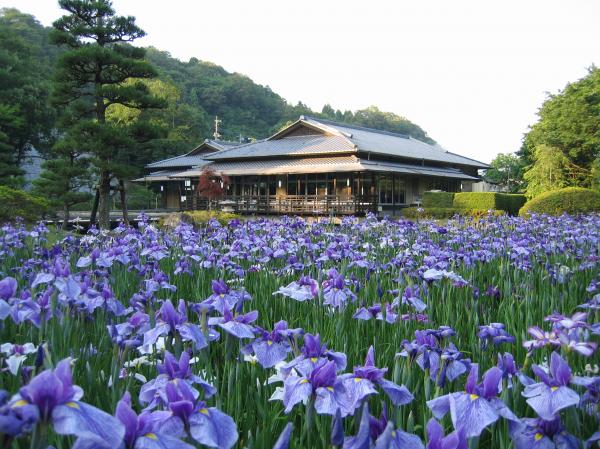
(359, 127)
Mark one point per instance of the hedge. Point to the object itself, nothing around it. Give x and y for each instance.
(18, 203)
(510, 203)
(446, 212)
(438, 199)
(570, 200)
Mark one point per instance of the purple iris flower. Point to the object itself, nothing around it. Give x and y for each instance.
(127, 334)
(337, 430)
(477, 407)
(141, 432)
(536, 433)
(368, 313)
(590, 400)
(362, 440)
(273, 347)
(437, 440)
(397, 439)
(335, 292)
(321, 384)
(312, 353)
(8, 288)
(362, 384)
(15, 421)
(383, 432)
(411, 296)
(206, 425)
(52, 396)
(239, 325)
(283, 442)
(175, 323)
(304, 289)
(578, 320)
(154, 392)
(495, 333)
(445, 364)
(551, 395)
(541, 339)
(223, 297)
(506, 364)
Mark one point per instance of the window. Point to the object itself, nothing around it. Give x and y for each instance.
(399, 190)
(386, 188)
(292, 185)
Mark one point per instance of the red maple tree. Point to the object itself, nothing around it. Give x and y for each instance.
(212, 185)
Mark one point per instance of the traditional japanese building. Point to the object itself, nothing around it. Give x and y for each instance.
(317, 166)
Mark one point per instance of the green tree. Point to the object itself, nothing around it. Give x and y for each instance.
(506, 171)
(570, 122)
(552, 170)
(96, 72)
(26, 116)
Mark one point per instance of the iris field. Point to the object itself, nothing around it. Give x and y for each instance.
(280, 333)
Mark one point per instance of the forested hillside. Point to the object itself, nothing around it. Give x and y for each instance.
(195, 92)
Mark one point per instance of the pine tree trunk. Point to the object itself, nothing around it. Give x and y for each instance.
(95, 207)
(66, 217)
(104, 203)
(124, 201)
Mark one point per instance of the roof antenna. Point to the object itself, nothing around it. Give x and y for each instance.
(216, 134)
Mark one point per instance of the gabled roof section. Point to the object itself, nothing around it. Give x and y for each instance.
(196, 157)
(211, 146)
(393, 144)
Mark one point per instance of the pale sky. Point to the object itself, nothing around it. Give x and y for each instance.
(472, 73)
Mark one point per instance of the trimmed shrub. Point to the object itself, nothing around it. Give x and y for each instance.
(475, 200)
(446, 212)
(18, 203)
(510, 203)
(438, 199)
(570, 200)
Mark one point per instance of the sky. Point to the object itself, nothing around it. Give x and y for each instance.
(472, 73)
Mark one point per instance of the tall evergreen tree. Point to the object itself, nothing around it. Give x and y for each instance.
(96, 72)
(26, 117)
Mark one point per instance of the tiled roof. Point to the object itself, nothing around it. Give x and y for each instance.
(163, 175)
(392, 144)
(287, 146)
(180, 161)
(343, 138)
(321, 165)
(280, 166)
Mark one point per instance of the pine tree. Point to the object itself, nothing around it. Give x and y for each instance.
(95, 73)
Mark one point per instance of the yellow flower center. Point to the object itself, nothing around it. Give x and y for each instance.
(204, 411)
(330, 388)
(72, 405)
(151, 436)
(473, 397)
(20, 403)
(269, 342)
(313, 359)
(554, 388)
(357, 379)
(538, 436)
(303, 381)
